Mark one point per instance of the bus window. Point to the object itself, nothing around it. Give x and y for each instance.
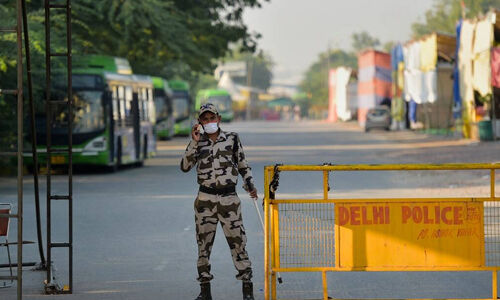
(145, 111)
(181, 108)
(89, 112)
(128, 104)
(116, 104)
(121, 100)
(151, 106)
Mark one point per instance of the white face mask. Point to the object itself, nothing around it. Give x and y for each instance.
(211, 127)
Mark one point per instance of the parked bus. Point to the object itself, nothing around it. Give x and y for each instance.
(182, 107)
(220, 98)
(113, 115)
(165, 123)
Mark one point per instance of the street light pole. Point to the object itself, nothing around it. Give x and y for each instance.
(249, 84)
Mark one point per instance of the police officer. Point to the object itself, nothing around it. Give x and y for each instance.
(219, 158)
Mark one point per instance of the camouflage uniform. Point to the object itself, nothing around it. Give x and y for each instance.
(218, 167)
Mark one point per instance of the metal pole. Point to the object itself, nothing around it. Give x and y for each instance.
(48, 131)
(249, 83)
(19, 152)
(33, 136)
(70, 142)
(263, 228)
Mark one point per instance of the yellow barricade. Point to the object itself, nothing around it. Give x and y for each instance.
(374, 234)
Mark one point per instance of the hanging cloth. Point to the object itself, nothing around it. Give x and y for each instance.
(483, 39)
(495, 67)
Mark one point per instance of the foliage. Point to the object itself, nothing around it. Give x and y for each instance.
(315, 82)
(443, 16)
(167, 38)
(153, 33)
(363, 40)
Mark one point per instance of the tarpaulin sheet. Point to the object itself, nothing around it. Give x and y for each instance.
(369, 101)
(375, 87)
(428, 53)
(362, 111)
(483, 38)
(495, 67)
(371, 58)
(397, 56)
(368, 73)
(420, 87)
(465, 61)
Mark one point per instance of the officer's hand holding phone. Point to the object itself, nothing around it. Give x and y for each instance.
(196, 132)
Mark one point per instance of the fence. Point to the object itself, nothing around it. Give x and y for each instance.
(334, 235)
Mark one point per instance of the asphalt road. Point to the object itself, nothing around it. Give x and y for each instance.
(134, 232)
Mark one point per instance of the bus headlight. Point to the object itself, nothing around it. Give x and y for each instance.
(97, 144)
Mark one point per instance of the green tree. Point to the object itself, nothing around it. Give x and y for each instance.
(363, 40)
(166, 38)
(315, 82)
(444, 14)
(154, 32)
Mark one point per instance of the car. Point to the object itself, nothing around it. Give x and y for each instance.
(378, 117)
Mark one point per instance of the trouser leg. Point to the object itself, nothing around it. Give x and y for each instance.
(206, 225)
(229, 213)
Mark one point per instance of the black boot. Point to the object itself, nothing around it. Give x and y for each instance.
(205, 292)
(247, 290)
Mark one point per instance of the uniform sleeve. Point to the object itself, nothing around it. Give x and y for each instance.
(190, 157)
(243, 168)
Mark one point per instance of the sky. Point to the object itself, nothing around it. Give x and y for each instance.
(294, 32)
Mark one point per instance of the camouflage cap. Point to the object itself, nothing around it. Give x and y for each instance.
(208, 107)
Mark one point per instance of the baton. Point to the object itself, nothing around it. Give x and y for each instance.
(280, 281)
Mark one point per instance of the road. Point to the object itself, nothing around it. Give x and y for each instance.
(134, 232)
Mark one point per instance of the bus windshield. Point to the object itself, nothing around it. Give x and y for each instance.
(223, 103)
(181, 108)
(88, 112)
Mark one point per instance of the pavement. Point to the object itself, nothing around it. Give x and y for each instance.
(134, 230)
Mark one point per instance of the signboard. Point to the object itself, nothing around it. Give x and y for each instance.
(412, 234)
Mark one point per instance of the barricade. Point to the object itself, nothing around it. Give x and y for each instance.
(339, 235)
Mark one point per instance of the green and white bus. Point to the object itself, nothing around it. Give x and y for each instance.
(220, 98)
(182, 107)
(113, 115)
(165, 123)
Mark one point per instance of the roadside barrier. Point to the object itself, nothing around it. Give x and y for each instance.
(379, 234)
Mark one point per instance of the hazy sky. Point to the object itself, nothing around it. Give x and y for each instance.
(296, 31)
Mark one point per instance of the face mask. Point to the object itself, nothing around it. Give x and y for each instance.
(211, 128)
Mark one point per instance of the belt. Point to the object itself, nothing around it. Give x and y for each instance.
(214, 191)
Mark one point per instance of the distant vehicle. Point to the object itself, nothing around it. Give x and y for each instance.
(378, 117)
(220, 98)
(113, 115)
(163, 99)
(183, 109)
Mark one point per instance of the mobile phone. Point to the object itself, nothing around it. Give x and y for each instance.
(200, 128)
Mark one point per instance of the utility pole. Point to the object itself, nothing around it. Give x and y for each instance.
(249, 86)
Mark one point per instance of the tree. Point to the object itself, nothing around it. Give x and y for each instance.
(315, 82)
(444, 14)
(363, 40)
(165, 38)
(154, 32)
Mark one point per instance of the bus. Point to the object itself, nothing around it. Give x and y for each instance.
(182, 107)
(165, 123)
(113, 115)
(220, 98)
